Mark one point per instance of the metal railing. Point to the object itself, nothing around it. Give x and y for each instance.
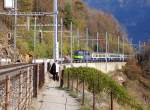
(19, 84)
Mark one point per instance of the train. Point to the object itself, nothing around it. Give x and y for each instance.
(85, 55)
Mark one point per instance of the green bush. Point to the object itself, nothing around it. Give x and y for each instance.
(103, 83)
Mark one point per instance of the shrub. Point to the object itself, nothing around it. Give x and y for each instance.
(103, 83)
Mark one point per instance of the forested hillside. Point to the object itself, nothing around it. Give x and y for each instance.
(76, 12)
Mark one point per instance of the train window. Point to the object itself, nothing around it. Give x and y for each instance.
(99, 55)
(78, 53)
(92, 54)
(75, 53)
(87, 53)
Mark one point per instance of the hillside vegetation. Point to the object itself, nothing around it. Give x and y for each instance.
(76, 12)
(138, 76)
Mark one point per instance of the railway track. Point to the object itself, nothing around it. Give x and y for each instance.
(11, 65)
(24, 81)
(7, 69)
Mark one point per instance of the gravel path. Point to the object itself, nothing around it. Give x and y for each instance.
(52, 98)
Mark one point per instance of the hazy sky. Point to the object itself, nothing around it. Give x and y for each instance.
(9, 3)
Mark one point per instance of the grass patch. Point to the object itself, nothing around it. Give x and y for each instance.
(70, 92)
(85, 107)
(73, 94)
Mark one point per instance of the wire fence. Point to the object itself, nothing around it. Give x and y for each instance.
(80, 86)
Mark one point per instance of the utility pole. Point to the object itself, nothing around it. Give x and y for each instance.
(87, 43)
(28, 23)
(139, 46)
(132, 47)
(61, 42)
(92, 45)
(123, 48)
(87, 37)
(56, 50)
(71, 42)
(97, 42)
(106, 54)
(78, 37)
(15, 28)
(118, 44)
(34, 39)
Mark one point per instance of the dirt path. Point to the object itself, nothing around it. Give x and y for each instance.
(52, 98)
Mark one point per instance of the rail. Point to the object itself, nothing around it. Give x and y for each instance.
(11, 65)
(19, 84)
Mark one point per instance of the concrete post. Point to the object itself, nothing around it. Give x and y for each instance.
(97, 42)
(87, 37)
(123, 49)
(61, 42)
(34, 39)
(106, 56)
(71, 46)
(15, 29)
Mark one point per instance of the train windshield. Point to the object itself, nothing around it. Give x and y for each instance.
(78, 53)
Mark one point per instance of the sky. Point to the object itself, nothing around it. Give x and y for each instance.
(8, 3)
(133, 15)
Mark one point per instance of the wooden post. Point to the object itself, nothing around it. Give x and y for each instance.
(72, 83)
(68, 83)
(35, 84)
(38, 74)
(98, 83)
(111, 95)
(93, 96)
(77, 86)
(62, 79)
(7, 92)
(43, 67)
(83, 94)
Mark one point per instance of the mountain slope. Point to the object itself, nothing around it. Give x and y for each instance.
(76, 12)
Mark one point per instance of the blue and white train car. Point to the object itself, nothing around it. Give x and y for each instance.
(110, 57)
